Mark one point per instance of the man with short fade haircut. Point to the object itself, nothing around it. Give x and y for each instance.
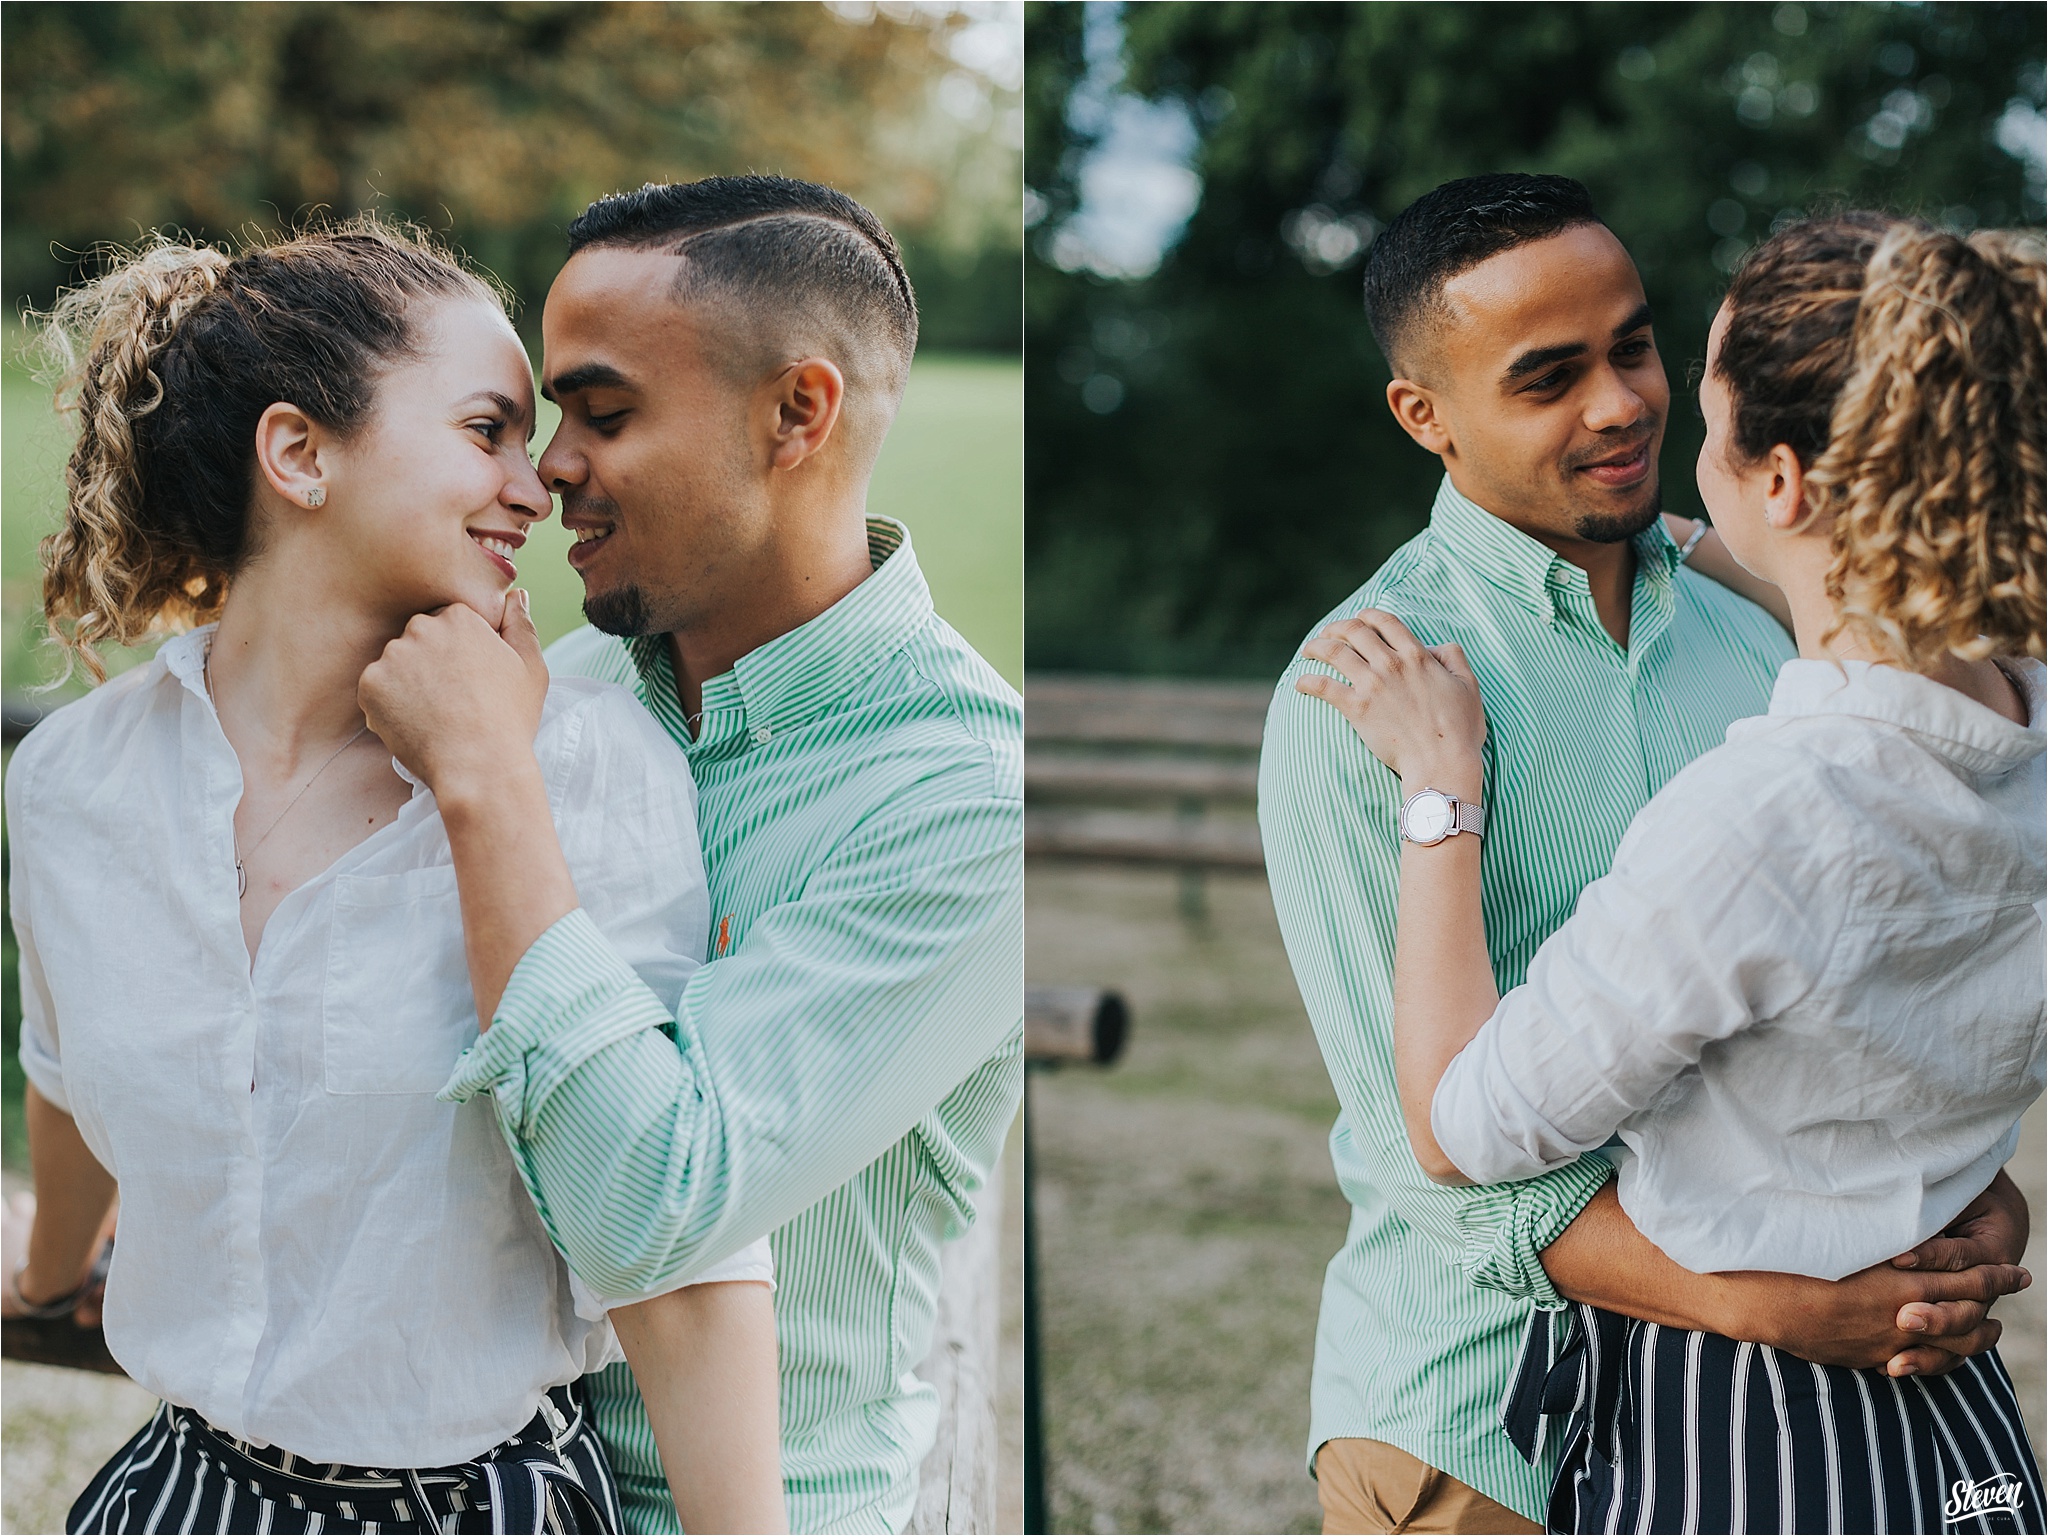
(728, 355)
(1525, 359)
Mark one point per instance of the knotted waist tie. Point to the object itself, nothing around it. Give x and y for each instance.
(1558, 1372)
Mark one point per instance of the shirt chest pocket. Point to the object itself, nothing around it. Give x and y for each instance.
(397, 1007)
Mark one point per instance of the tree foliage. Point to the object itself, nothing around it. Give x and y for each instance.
(1245, 474)
(493, 122)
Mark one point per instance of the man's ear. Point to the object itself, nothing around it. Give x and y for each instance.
(290, 450)
(807, 398)
(1415, 407)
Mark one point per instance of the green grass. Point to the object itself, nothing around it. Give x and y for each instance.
(953, 470)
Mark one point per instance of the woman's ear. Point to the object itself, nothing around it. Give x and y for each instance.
(290, 449)
(1785, 507)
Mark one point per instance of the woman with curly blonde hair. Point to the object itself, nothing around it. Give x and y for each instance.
(242, 955)
(1809, 997)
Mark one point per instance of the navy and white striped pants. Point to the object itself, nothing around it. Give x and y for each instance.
(1671, 1430)
(179, 1473)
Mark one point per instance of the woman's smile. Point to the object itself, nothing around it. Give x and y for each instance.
(499, 546)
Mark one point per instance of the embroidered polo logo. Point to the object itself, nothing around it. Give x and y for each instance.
(724, 935)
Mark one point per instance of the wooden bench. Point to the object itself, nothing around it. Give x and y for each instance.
(1133, 771)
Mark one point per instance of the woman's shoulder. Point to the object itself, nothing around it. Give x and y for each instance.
(588, 725)
(623, 801)
(76, 745)
(1763, 791)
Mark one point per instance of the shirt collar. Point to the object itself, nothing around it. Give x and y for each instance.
(1535, 574)
(184, 657)
(1976, 738)
(796, 677)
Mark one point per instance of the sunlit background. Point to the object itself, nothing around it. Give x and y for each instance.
(495, 124)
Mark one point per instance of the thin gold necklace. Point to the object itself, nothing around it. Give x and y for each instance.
(241, 868)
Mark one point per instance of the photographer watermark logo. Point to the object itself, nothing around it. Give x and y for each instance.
(2001, 1492)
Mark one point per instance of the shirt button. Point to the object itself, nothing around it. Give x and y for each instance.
(762, 735)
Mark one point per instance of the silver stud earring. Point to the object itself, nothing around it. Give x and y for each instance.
(317, 497)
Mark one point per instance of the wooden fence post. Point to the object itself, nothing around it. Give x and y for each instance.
(957, 1484)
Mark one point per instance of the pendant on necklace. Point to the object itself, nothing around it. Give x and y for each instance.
(241, 879)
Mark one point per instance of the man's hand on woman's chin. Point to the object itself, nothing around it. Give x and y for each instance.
(457, 700)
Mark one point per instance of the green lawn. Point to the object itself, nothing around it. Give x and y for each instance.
(953, 470)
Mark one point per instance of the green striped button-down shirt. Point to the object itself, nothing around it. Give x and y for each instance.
(1424, 1307)
(841, 1073)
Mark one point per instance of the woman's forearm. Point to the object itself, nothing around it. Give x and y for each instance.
(73, 1194)
(704, 1358)
(1444, 988)
(1417, 709)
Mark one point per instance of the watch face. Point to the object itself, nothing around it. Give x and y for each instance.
(1428, 817)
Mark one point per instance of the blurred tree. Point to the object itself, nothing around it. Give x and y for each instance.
(1210, 461)
(497, 123)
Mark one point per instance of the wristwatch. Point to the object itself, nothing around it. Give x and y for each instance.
(1429, 816)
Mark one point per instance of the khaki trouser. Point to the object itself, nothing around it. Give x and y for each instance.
(1369, 1486)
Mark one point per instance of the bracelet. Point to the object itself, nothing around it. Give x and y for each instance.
(62, 1306)
(1685, 550)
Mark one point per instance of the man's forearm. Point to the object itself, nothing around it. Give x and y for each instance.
(1602, 1259)
(514, 881)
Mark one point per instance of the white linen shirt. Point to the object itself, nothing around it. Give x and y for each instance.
(315, 1252)
(1809, 996)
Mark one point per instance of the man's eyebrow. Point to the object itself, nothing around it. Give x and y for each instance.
(1537, 359)
(589, 376)
(1634, 322)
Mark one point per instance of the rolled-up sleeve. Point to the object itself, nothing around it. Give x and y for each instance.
(657, 1140)
(1327, 812)
(570, 996)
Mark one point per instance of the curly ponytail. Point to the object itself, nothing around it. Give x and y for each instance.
(100, 569)
(167, 360)
(1904, 365)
